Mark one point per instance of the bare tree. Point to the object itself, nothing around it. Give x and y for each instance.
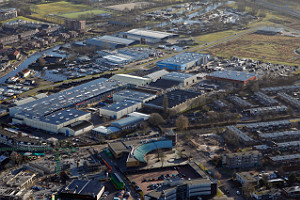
(182, 122)
(156, 119)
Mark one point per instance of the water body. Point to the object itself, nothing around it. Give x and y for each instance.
(29, 61)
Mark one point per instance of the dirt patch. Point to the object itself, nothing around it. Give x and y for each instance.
(130, 6)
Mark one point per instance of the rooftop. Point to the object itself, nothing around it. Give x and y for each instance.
(150, 33)
(118, 106)
(118, 147)
(58, 117)
(176, 75)
(83, 187)
(182, 58)
(232, 75)
(175, 98)
(138, 96)
(285, 157)
(114, 39)
(66, 98)
(157, 74)
(126, 121)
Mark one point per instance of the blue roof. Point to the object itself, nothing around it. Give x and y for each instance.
(140, 152)
(182, 58)
(126, 121)
(233, 75)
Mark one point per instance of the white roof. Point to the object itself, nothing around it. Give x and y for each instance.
(136, 80)
(150, 33)
(138, 114)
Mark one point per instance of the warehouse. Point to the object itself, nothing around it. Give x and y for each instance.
(147, 36)
(182, 78)
(128, 123)
(110, 42)
(106, 132)
(269, 31)
(156, 75)
(132, 95)
(93, 90)
(120, 109)
(77, 128)
(183, 61)
(55, 122)
(132, 80)
(178, 100)
(236, 78)
(117, 59)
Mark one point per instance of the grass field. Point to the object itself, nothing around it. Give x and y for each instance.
(58, 8)
(214, 36)
(20, 18)
(75, 15)
(260, 47)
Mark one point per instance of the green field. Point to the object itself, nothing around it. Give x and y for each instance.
(58, 8)
(75, 15)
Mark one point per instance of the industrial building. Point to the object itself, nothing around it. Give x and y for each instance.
(120, 109)
(236, 78)
(183, 61)
(82, 189)
(132, 95)
(110, 42)
(47, 114)
(132, 80)
(128, 123)
(56, 122)
(147, 36)
(106, 132)
(178, 100)
(156, 75)
(183, 78)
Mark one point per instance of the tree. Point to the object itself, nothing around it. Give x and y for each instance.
(156, 119)
(42, 61)
(182, 122)
(292, 179)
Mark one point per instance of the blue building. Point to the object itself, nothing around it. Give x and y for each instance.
(183, 61)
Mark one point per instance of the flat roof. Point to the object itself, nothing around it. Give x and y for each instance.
(114, 39)
(69, 97)
(177, 75)
(157, 74)
(117, 106)
(58, 117)
(118, 147)
(139, 96)
(83, 187)
(285, 157)
(175, 98)
(130, 76)
(106, 130)
(150, 33)
(232, 75)
(182, 58)
(126, 121)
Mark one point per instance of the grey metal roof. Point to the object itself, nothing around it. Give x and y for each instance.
(149, 33)
(183, 58)
(285, 157)
(58, 117)
(120, 105)
(137, 96)
(157, 74)
(114, 39)
(177, 75)
(126, 121)
(233, 75)
(66, 98)
(280, 134)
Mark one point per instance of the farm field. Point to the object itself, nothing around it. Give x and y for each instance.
(58, 8)
(260, 47)
(75, 15)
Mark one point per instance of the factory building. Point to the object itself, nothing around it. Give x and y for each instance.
(56, 122)
(132, 80)
(117, 59)
(156, 75)
(236, 78)
(132, 95)
(120, 109)
(183, 61)
(55, 114)
(110, 42)
(147, 36)
(178, 100)
(136, 55)
(106, 132)
(182, 78)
